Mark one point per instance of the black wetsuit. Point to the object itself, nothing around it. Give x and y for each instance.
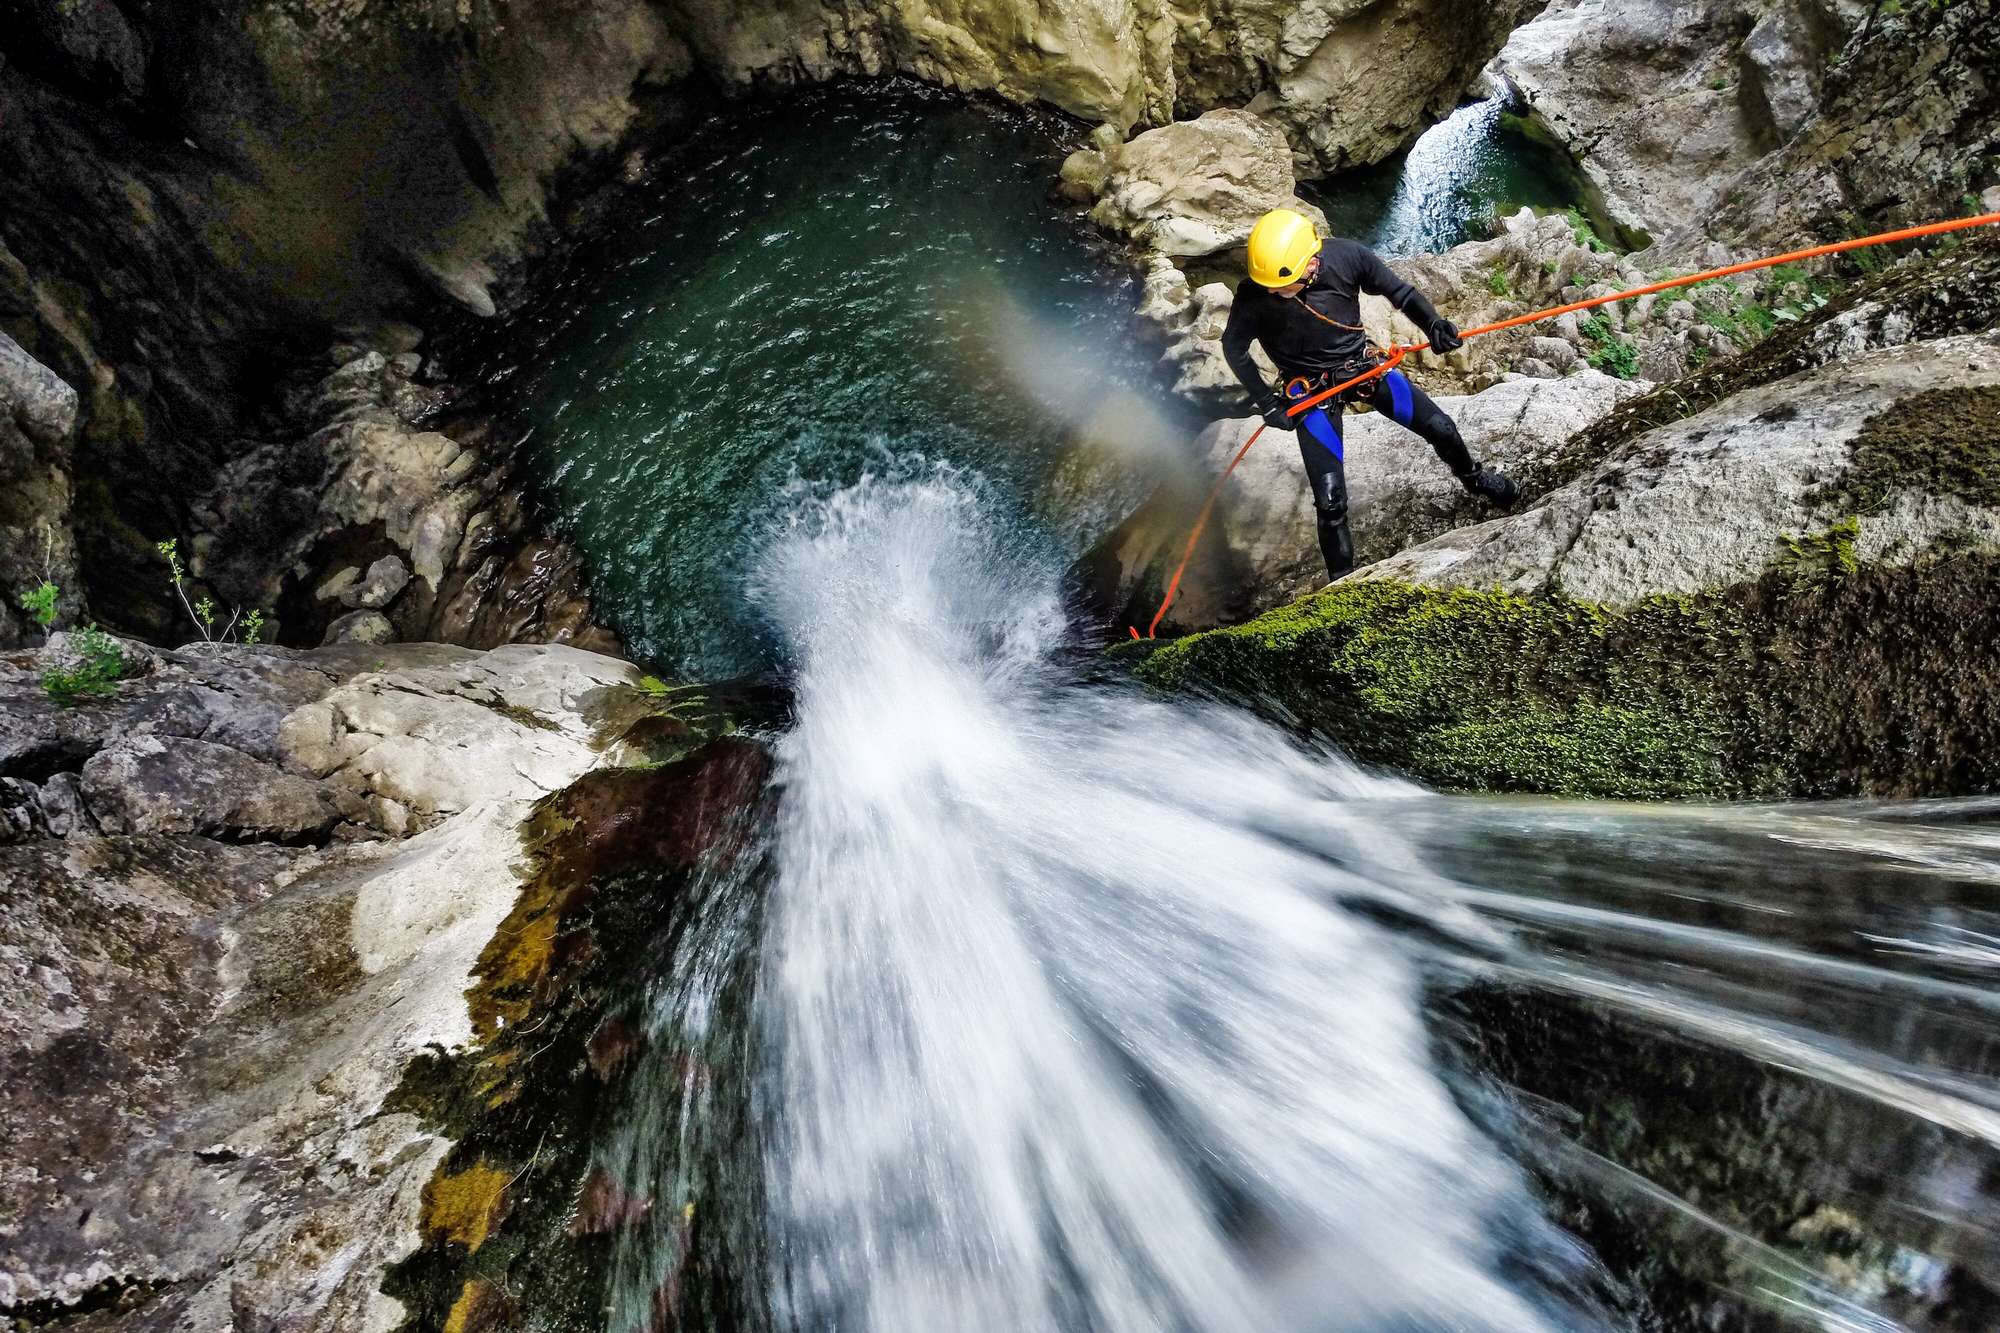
(1316, 337)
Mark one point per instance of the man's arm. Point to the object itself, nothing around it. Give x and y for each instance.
(1237, 335)
(1379, 278)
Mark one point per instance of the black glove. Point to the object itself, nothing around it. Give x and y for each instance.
(1272, 409)
(1444, 337)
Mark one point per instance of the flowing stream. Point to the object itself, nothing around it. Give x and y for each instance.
(1051, 1005)
(1059, 1006)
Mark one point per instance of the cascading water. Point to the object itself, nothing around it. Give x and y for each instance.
(1062, 1007)
(1063, 1033)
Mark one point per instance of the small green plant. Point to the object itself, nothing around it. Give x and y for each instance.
(1970, 203)
(97, 665)
(40, 604)
(1719, 82)
(1549, 267)
(1496, 281)
(249, 627)
(1585, 234)
(1612, 354)
(1829, 552)
(653, 685)
(1719, 318)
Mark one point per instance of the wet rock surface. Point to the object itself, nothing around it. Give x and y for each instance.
(227, 937)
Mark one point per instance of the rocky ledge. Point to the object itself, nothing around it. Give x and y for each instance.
(1779, 577)
(248, 900)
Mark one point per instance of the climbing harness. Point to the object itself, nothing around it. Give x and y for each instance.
(1394, 355)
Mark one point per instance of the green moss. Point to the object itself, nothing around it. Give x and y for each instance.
(1831, 551)
(608, 864)
(1609, 352)
(1942, 442)
(1406, 675)
(1823, 678)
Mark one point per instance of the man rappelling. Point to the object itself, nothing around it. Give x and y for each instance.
(1302, 301)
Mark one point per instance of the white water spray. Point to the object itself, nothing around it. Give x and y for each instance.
(1065, 1032)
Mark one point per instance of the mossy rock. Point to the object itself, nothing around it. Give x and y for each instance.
(1823, 678)
(612, 860)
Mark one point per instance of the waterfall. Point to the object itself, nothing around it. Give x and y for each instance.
(1065, 1030)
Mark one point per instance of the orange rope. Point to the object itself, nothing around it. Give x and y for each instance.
(1400, 350)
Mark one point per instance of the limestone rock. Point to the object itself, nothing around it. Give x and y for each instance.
(1195, 187)
(154, 784)
(384, 581)
(36, 396)
(1763, 122)
(1907, 117)
(1709, 501)
(1353, 80)
(504, 725)
(361, 627)
(194, 1009)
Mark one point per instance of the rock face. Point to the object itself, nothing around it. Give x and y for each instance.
(154, 784)
(1709, 501)
(216, 992)
(1763, 122)
(171, 242)
(1353, 80)
(374, 528)
(37, 423)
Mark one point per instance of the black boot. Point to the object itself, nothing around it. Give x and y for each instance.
(1336, 542)
(1496, 488)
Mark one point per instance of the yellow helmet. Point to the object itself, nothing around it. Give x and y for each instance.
(1280, 244)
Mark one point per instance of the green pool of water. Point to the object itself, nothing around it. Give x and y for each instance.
(855, 279)
(844, 282)
(1447, 188)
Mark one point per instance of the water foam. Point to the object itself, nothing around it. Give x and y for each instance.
(1064, 1032)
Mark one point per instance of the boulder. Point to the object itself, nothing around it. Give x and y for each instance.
(361, 627)
(35, 395)
(172, 784)
(1196, 187)
(381, 585)
(1724, 495)
(501, 726)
